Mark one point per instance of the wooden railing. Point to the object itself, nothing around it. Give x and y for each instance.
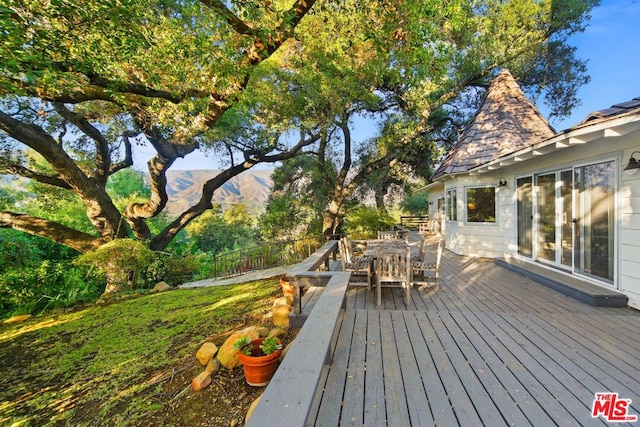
(413, 221)
(288, 399)
(267, 255)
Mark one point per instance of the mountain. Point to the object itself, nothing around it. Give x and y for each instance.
(251, 187)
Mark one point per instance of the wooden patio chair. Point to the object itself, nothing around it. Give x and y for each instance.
(357, 265)
(387, 235)
(393, 268)
(427, 270)
(422, 251)
(429, 228)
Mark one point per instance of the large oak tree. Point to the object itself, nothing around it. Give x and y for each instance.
(422, 67)
(84, 82)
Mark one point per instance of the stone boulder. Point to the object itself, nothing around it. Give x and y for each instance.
(287, 300)
(202, 381)
(252, 408)
(160, 287)
(278, 332)
(227, 354)
(206, 353)
(281, 315)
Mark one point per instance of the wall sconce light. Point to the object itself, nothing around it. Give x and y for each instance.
(503, 182)
(633, 166)
(430, 203)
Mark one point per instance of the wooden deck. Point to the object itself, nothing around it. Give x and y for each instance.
(489, 348)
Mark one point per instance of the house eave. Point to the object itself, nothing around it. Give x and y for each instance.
(579, 135)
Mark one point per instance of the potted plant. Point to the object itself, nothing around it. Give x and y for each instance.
(259, 358)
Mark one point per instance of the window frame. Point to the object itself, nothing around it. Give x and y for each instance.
(452, 204)
(495, 204)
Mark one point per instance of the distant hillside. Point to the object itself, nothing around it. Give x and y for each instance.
(185, 188)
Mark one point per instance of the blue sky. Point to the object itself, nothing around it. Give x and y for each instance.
(611, 44)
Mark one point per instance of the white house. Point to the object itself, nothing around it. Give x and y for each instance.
(568, 202)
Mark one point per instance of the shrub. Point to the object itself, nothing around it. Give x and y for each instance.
(47, 285)
(365, 222)
(175, 268)
(123, 262)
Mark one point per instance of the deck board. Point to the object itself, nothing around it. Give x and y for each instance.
(417, 402)
(490, 347)
(375, 413)
(331, 403)
(395, 397)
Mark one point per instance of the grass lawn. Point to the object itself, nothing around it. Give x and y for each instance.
(117, 364)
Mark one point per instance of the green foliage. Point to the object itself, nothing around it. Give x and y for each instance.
(270, 345)
(115, 351)
(282, 217)
(178, 268)
(416, 203)
(33, 289)
(214, 234)
(123, 263)
(243, 345)
(18, 249)
(365, 222)
(127, 186)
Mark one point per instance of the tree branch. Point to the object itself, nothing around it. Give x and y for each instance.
(103, 157)
(160, 241)
(236, 23)
(59, 233)
(128, 154)
(16, 169)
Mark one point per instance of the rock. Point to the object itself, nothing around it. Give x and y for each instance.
(201, 381)
(213, 366)
(278, 332)
(281, 315)
(288, 300)
(16, 319)
(160, 287)
(252, 408)
(206, 353)
(263, 331)
(284, 352)
(287, 287)
(227, 354)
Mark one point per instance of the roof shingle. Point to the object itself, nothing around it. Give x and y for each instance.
(506, 122)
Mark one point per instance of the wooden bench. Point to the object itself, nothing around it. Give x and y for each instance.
(305, 276)
(289, 398)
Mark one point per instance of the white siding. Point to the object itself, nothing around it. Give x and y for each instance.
(494, 240)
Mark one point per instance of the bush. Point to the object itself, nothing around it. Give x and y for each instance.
(29, 290)
(123, 262)
(365, 222)
(176, 269)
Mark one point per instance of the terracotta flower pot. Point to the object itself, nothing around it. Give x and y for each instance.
(287, 287)
(258, 368)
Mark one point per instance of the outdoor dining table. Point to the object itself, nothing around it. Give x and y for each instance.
(372, 246)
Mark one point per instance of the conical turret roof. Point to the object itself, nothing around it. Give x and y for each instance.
(506, 122)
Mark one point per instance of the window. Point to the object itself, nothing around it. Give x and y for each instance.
(481, 204)
(452, 208)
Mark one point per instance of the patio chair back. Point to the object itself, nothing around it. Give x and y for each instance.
(358, 265)
(393, 268)
(427, 270)
(428, 228)
(387, 235)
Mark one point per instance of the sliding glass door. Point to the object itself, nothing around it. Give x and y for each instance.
(566, 218)
(525, 215)
(595, 223)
